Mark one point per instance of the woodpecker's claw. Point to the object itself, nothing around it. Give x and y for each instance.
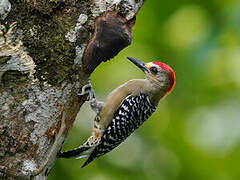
(87, 89)
(94, 103)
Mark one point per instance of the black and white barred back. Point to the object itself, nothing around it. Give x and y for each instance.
(132, 113)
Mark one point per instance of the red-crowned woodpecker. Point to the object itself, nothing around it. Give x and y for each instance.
(124, 110)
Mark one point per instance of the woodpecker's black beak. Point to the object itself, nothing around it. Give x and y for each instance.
(139, 64)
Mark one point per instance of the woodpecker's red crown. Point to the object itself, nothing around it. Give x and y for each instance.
(152, 70)
(171, 73)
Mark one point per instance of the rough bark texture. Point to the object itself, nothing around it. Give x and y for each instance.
(48, 48)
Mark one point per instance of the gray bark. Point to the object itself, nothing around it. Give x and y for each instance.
(48, 49)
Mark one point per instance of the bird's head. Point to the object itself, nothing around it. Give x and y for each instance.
(157, 73)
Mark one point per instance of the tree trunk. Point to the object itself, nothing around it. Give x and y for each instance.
(48, 49)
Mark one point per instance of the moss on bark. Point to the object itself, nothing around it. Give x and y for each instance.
(44, 37)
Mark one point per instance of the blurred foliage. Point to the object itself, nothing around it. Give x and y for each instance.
(194, 134)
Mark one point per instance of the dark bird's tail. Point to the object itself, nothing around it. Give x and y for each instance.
(90, 159)
(78, 152)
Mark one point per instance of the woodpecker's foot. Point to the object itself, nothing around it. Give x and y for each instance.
(87, 89)
(94, 103)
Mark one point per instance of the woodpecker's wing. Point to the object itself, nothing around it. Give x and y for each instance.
(132, 112)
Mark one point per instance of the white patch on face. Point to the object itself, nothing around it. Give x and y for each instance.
(149, 65)
(161, 79)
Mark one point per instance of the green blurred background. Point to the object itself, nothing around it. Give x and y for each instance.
(195, 132)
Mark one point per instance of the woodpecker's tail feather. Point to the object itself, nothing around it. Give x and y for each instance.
(78, 152)
(94, 154)
(90, 159)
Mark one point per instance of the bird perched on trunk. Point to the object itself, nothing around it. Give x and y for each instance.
(124, 110)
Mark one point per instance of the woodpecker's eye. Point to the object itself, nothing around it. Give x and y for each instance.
(154, 70)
